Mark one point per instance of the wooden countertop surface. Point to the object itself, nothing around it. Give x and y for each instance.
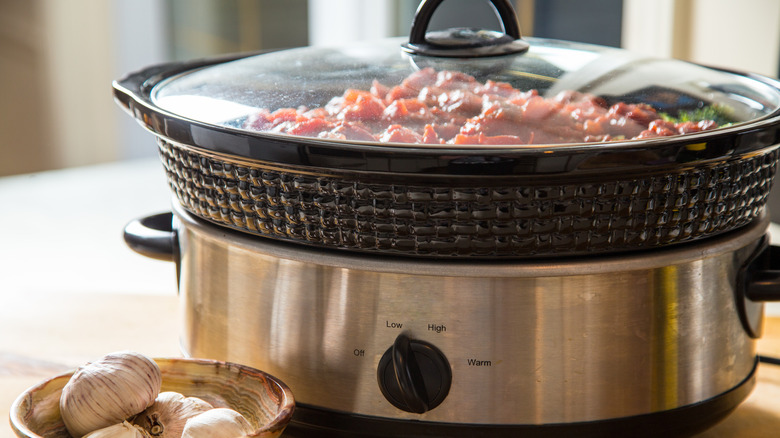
(46, 334)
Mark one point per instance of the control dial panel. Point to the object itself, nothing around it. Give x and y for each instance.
(414, 375)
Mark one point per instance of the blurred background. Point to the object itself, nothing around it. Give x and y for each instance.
(58, 58)
(74, 168)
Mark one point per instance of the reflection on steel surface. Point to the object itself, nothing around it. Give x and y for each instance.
(563, 340)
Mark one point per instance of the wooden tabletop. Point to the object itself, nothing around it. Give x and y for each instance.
(759, 415)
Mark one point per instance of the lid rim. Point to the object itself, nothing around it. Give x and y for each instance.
(134, 93)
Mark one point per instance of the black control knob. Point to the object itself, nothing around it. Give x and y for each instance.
(414, 375)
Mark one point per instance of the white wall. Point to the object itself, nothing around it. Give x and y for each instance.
(342, 21)
(742, 34)
(78, 80)
(140, 39)
(88, 44)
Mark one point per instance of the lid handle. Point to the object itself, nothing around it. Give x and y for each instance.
(465, 42)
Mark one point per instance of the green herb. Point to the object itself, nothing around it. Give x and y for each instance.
(720, 114)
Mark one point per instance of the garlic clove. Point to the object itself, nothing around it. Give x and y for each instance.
(217, 423)
(166, 417)
(121, 430)
(108, 391)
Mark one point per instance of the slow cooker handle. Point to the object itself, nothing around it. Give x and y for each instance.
(465, 42)
(762, 275)
(758, 281)
(154, 237)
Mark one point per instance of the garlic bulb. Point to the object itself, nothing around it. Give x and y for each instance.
(166, 417)
(108, 391)
(217, 423)
(121, 430)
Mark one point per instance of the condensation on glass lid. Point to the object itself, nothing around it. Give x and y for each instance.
(556, 93)
(450, 107)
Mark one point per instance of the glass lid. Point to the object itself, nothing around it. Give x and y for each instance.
(552, 92)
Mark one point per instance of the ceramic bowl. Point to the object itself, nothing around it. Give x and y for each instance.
(265, 401)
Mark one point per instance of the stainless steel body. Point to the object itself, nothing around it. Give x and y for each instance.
(555, 341)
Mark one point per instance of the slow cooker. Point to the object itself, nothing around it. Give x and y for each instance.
(470, 233)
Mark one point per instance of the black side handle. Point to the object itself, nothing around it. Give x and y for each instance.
(758, 281)
(762, 282)
(154, 237)
(465, 42)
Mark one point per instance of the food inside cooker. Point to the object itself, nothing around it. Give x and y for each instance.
(448, 107)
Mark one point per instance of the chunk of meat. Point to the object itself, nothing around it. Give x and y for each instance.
(430, 107)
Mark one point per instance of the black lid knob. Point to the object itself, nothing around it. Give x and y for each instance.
(465, 42)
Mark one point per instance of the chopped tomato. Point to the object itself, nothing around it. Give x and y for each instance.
(453, 80)
(399, 134)
(350, 131)
(259, 121)
(420, 79)
(310, 127)
(379, 90)
(316, 113)
(430, 136)
(400, 92)
(502, 139)
(498, 89)
(689, 127)
(351, 96)
(461, 102)
(446, 130)
(285, 115)
(467, 139)
(452, 107)
(366, 107)
(538, 109)
(662, 127)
